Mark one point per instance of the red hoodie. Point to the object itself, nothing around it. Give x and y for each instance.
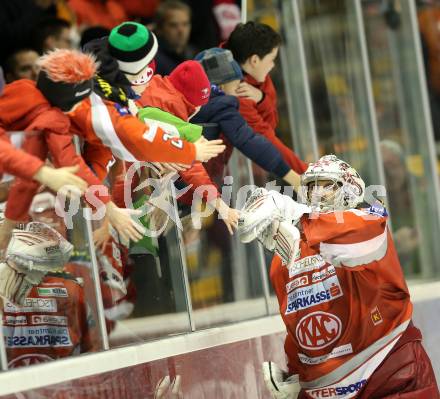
(16, 162)
(24, 108)
(263, 118)
(162, 94)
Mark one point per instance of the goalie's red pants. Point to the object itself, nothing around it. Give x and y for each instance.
(406, 373)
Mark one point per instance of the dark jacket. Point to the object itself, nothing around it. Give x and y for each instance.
(223, 110)
(167, 59)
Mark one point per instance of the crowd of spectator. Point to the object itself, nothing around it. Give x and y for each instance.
(165, 82)
(132, 109)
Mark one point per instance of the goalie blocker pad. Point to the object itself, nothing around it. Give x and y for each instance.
(14, 286)
(287, 241)
(269, 216)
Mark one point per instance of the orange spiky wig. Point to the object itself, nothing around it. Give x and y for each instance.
(69, 66)
(66, 77)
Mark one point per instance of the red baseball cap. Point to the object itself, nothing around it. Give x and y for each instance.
(190, 79)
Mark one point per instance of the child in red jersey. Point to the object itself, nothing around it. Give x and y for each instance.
(341, 292)
(255, 47)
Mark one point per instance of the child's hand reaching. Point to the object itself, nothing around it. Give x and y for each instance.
(229, 215)
(101, 236)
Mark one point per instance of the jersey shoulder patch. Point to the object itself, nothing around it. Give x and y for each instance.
(122, 110)
(377, 209)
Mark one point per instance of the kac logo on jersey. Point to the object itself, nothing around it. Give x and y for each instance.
(28, 360)
(318, 330)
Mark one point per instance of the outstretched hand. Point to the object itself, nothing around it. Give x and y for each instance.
(205, 149)
(122, 221)
(229, 215)
(62, 180)
(101, 236)
(166, 167)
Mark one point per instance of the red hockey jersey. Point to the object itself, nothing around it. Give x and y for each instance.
(53, 323)
(344, 301)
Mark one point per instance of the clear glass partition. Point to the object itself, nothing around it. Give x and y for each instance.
(407, 142)
(224, 274)
(194, 274)
(351, 74)
(428, 15)
(293, 102)
(156, 299)
(296, 83)
(61, 316)
(155, 303)
(338, 82)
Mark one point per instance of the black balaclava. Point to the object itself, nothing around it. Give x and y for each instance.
(61, 94)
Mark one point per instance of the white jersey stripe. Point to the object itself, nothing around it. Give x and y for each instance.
(360, 253)
(104, 129)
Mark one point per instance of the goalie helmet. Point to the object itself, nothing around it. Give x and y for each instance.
(38, 247)
(349, 187)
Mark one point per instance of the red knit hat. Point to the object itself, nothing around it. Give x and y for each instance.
(190, 79)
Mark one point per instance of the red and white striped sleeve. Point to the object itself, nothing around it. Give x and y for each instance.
(350, 238)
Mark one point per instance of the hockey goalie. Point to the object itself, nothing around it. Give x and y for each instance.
(341, 292)
(45, 315)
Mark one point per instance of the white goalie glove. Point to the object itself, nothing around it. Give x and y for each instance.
(280, 385)
(30, 255)
(271, 217)
(15, 286)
